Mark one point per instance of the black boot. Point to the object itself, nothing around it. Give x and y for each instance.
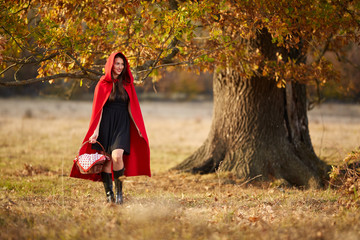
(107, 180)
(118, 186)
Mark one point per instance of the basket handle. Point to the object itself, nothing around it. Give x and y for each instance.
(88, 142)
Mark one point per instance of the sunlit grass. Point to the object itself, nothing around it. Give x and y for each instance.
(39, 201)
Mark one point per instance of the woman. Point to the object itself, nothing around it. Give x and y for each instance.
(117, 123)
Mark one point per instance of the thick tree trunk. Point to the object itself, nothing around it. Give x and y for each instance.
(258, 129)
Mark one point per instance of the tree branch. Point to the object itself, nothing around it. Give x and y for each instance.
(153, 65)
(317, 60)
(174, 51)
(8, 68)
(16, 72)
(149, 65)
(13, 38)
(165, 65)
(24, 9)
(343, 58)
(47, 78)
(84, 70)
(87, 73)
(31, 59)
(351, 14)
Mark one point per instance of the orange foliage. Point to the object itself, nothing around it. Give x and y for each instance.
(79, 35)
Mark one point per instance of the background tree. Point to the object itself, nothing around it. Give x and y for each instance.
(257, 50)
(348, 63)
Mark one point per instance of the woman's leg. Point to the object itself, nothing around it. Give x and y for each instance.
(107, 167)
(118, 168)
(106, 177)
(117, 158)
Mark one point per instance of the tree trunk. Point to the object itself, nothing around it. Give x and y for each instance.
(258, 129)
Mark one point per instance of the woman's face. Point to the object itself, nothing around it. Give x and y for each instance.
(118, 67)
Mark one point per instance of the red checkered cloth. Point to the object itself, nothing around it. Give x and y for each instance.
(86, 161)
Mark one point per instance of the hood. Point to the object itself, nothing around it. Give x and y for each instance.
(108, 67)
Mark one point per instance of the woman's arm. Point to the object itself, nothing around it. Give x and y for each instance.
(133, 120)
(95, 135)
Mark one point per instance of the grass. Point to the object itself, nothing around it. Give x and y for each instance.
(39, 201)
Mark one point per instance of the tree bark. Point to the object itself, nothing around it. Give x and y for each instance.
(258, 129)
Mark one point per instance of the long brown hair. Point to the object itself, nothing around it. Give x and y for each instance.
(124, 78)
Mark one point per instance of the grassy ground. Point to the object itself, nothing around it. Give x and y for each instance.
(38, 140)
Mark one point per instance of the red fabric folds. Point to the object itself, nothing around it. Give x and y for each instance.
(138, 161)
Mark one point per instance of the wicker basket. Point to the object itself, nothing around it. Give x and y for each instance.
(91, 163)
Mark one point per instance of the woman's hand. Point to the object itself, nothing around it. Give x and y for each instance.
(93, 137)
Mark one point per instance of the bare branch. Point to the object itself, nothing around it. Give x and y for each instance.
(323, 50)
(69, 92)
(343, 58)
(189, 62)
(151, 63)
(25, 8)
(84, 70)
(326, 47)
(174, 51)
(318, 84)
(8, 68)
(31, 59)
(154, 64)
(86, 73)
(16, 72)
(13, 38)
(47, 78)
(166, 65)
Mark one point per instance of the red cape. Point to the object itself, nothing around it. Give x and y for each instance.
(138, 161)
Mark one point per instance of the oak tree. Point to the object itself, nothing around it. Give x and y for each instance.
(263, 54)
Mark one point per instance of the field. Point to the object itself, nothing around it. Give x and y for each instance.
(39, 139)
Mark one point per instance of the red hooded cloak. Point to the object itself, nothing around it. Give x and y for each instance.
(138, 161)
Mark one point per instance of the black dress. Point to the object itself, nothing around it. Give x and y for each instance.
(114, 129)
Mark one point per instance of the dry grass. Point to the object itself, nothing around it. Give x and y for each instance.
(38, 140)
